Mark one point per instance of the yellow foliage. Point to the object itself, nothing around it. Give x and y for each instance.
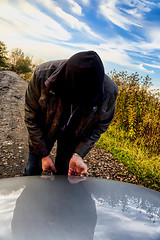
(138, 109)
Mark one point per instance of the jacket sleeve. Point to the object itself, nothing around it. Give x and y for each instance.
(32, 117)
(106, 115)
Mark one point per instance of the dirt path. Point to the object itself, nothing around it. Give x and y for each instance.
(13, 137)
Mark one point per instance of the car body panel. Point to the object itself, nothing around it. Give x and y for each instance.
(59, 208)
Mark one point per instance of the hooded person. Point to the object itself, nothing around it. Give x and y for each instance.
(81, 80)
(72, 102)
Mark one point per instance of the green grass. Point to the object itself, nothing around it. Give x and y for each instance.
(138, 160)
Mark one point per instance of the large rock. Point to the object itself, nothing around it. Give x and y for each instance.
(13, 133)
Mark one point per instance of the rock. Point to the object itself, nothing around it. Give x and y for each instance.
(13, 130)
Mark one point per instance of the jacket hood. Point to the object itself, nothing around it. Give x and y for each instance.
(80, 80)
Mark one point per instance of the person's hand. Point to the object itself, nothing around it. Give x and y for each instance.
(47, 165)
(76, 166)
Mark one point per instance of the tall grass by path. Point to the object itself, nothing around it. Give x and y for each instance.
(138, 161)
(138, 109)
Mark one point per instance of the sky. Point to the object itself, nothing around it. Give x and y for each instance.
(125, 33)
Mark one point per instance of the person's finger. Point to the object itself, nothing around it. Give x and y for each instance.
(54, 169)
(84, 171)
(50, 168)
(70, 172)
(73, 172)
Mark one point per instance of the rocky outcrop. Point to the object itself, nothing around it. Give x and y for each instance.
(13, 133)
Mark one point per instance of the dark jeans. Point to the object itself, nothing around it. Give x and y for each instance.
(64, 153)
(33, 166)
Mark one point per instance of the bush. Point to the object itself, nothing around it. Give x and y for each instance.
(138, 109)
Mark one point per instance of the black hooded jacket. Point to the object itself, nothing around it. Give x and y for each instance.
(79, 82)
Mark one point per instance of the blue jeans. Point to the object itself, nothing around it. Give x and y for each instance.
(65, 149)
(33, 166)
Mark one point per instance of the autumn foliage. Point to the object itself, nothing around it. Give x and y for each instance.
(138, 110)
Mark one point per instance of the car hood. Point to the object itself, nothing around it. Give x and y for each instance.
(59, 207)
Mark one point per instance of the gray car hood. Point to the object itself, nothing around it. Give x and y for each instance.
(57, 208)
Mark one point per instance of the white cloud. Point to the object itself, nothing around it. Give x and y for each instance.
(75, 7)
(26, 19)
(112, 53)
(74, 23)
(124, 17)
(108, 54)
(43, 50)
(153, 39)
(134, 12)
(137, 8)
(142, 68)
(152, 65)
(38, 25)
(68, 19)
(114, 13)
(84, 2)
(24, 25)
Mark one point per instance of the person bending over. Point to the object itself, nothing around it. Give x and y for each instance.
(71, 102)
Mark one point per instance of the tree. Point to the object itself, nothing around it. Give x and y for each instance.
(20, 63)
(23, 65)
(15, 54)
(3, 56)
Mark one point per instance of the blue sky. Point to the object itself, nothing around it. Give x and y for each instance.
(125, 33)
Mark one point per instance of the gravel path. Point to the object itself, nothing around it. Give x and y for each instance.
(13, 141)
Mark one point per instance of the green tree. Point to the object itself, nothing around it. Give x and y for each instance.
(15, 54)
(3, 56)
(23, 65)
(20, 63)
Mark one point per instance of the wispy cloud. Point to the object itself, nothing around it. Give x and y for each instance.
(125, 13)
(110, 10)
(75, 7)
(152, 34)
(107, 53)
(121, 31)
(137, 8)
(85, 2)
(68, 19)
(75, 24)
(114, 55)
(153, 65)
(142, 68)
(28, 20)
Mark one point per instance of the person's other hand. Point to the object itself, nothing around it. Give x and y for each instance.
(47, 165)
(76, 166)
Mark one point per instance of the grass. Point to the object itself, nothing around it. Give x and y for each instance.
(138, 160)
